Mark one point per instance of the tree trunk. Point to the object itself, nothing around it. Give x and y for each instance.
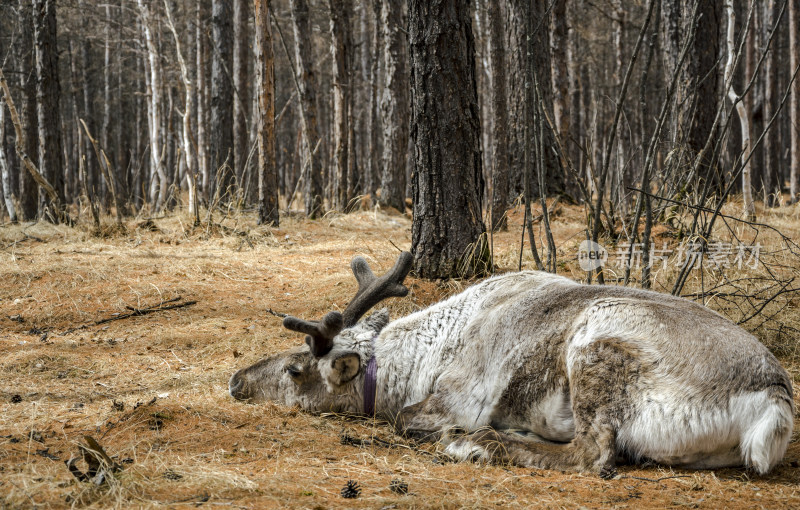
(560, 81)
(341, 53)
(747, 185)
(5, 171)
(265, 75)
(500, 170)
(51, 164)
(372, 181)
(311, 173)
(28, 189)
(394, 106)
(448, 235)
(794, 106)
(186, 131)
(201, 43)
(241, 55)
(771, 170)
(699, 89)
(222, 95)
(157, 172)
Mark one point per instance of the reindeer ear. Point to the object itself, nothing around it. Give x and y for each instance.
(378, 320)
(345, 368)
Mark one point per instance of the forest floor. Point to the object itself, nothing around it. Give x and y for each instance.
(152, 389)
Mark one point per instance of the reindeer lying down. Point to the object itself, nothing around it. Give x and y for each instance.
(536, 370)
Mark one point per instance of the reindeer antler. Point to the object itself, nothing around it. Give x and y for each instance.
(371, 291)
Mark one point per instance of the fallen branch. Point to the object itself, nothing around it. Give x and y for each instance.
(136, 312)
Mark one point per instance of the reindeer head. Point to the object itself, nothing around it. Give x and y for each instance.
(324, 374)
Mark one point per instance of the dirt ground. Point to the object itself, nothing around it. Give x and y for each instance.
(152, 388)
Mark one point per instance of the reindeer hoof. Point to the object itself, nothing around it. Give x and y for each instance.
(608, 472)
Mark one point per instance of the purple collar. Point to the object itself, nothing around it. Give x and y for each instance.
(370, 383)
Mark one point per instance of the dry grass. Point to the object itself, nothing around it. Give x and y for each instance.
(194, 445)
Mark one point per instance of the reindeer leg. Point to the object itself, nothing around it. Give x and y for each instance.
(423, 421)
(603, 374)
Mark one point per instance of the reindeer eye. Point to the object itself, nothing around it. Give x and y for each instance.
(293, 371)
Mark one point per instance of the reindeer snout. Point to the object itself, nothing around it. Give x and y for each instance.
(235, 387)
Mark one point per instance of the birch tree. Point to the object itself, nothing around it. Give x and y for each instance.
(744, 120)
(158, 172)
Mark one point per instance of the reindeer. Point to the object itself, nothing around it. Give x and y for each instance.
(533, 369)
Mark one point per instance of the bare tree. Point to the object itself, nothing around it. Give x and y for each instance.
(500, 171)
(222, 94)
(341, 53)
(186, 132)
(48, 93)
(744, 120)
(154, 110)
(28, 189)
(265, 76)
(448, 235)
(307, 85)
(241, 43)
(5, 171)
(394, 105)
(794, 108)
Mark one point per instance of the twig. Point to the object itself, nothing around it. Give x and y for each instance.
(276, 314)
(135, 312)
(654, 480)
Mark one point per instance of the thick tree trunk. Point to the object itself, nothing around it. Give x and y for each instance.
(241, 44)
(394, 106)
(448, 235)
(700, 88)
(500, 170)
(28, 189)
(794, 105)
(51, 163)
(222, 95)
(311, 173)
(265, 76)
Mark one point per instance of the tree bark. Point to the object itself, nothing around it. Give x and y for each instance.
(394, 106)
(48, 92)
(265, 75)
(186, 131)
(747, 185)
(201, 43)
(448, 235)
(311, 173)
(222, 95)
(241, 43)
(5, 171)
(771, 170)
(154, 111)
(341, 53)
(794, 106)
(559, 42)
(500, 170)
(28, 189)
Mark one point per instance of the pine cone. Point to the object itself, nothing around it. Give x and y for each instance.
(351, 490)
(398, 487)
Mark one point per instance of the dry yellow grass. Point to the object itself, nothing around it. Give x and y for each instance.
(194, 445)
